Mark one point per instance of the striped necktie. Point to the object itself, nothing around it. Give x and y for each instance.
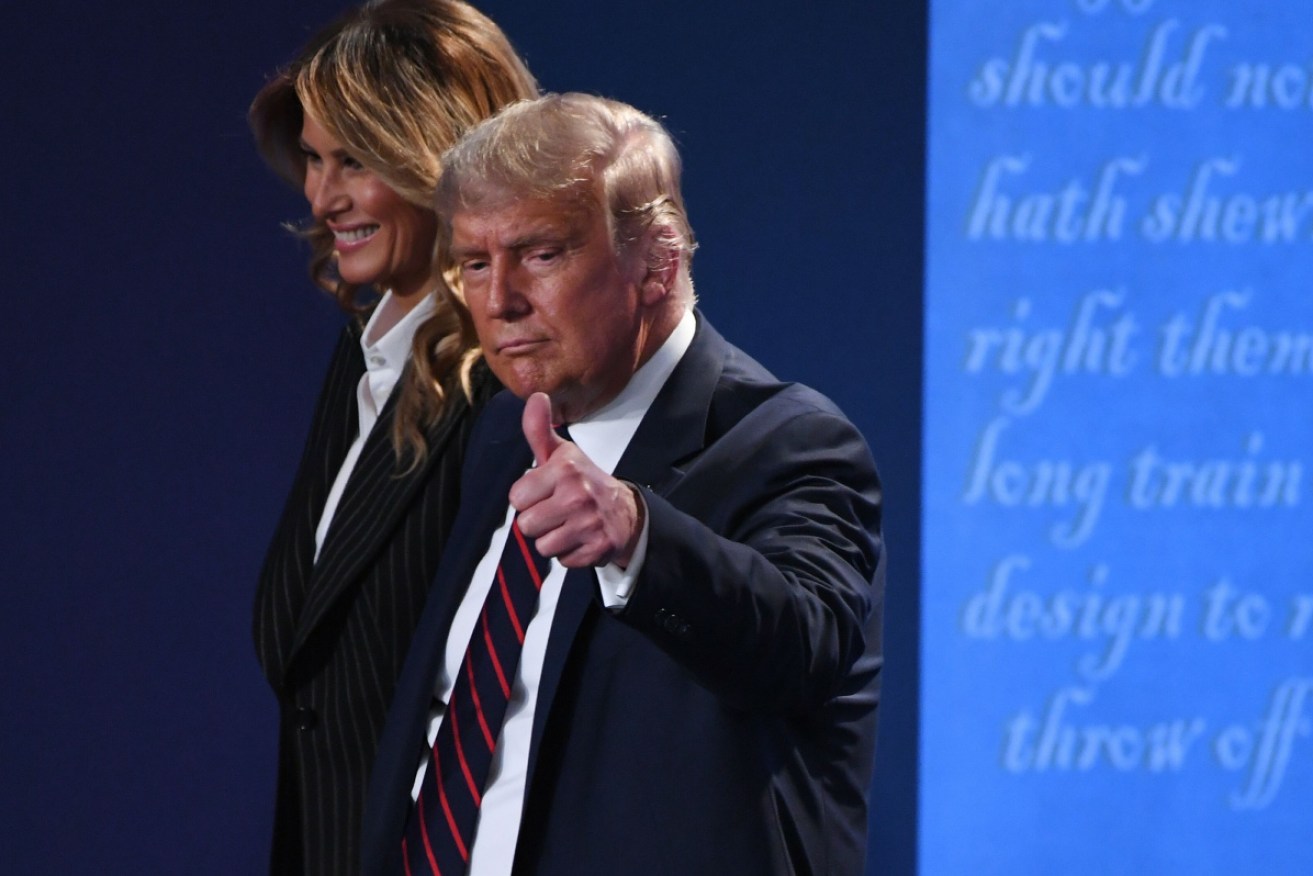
(440, 830)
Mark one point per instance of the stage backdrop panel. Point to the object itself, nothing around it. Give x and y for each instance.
(1117, 629)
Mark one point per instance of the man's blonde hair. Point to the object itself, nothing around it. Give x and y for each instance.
(603, 153)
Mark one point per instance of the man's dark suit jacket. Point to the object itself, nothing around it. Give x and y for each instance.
(723, 723)
(332, 635)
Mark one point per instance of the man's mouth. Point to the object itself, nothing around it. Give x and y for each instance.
(518, 345)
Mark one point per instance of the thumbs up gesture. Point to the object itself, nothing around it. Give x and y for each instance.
(572, 509)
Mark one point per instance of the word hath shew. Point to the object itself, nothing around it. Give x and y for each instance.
(1014, 202)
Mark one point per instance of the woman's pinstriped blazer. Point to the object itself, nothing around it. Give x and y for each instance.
(332, 635)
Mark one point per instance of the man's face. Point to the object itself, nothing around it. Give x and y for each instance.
(556, 309)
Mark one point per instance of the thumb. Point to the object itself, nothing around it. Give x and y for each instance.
(537, 425)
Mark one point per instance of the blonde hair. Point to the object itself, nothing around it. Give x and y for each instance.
(396, 82)
(598, 152)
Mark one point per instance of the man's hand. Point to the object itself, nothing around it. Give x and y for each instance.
(575, 511)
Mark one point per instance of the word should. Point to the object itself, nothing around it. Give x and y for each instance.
(1026, 79)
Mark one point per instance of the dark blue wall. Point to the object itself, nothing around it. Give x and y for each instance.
(165, 348)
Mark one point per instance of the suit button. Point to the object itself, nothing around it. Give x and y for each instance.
(675, 625)
(306, 718)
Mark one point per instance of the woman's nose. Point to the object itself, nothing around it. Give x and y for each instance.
(324, 191)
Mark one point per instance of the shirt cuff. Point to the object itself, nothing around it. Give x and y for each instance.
(617, 584)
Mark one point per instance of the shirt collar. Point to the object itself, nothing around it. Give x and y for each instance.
(604, 434)
(393, 349)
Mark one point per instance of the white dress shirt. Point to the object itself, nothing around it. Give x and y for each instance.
(385, 357)
(603, 436)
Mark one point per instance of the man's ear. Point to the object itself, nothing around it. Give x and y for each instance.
(661, 265)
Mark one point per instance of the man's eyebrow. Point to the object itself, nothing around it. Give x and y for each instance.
(556, 236)
(540, 236)
(460, 252)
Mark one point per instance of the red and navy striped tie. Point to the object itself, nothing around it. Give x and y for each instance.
(441, 827)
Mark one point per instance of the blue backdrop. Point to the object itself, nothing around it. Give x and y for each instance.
(164, 349)
(1117, 672)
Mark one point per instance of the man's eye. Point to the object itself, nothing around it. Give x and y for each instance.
(473, 266)
(545, 256)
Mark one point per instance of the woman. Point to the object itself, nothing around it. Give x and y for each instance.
(359, 121)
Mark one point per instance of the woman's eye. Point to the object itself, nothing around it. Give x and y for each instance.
(348, 161)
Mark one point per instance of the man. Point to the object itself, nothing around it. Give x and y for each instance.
(696, 690)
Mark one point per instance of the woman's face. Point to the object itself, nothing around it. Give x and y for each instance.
(380, 239)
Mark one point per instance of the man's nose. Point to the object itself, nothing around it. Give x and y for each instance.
(505, 299)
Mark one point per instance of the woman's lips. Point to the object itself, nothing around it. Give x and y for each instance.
(350, 239)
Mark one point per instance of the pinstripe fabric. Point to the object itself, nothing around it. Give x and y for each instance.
(332, 635)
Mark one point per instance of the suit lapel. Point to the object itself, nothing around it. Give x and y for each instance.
(286, 576)
(372, 505)
(672, 432)
(337, 425)
(502, 461)
(334, 429)
(675, 426)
